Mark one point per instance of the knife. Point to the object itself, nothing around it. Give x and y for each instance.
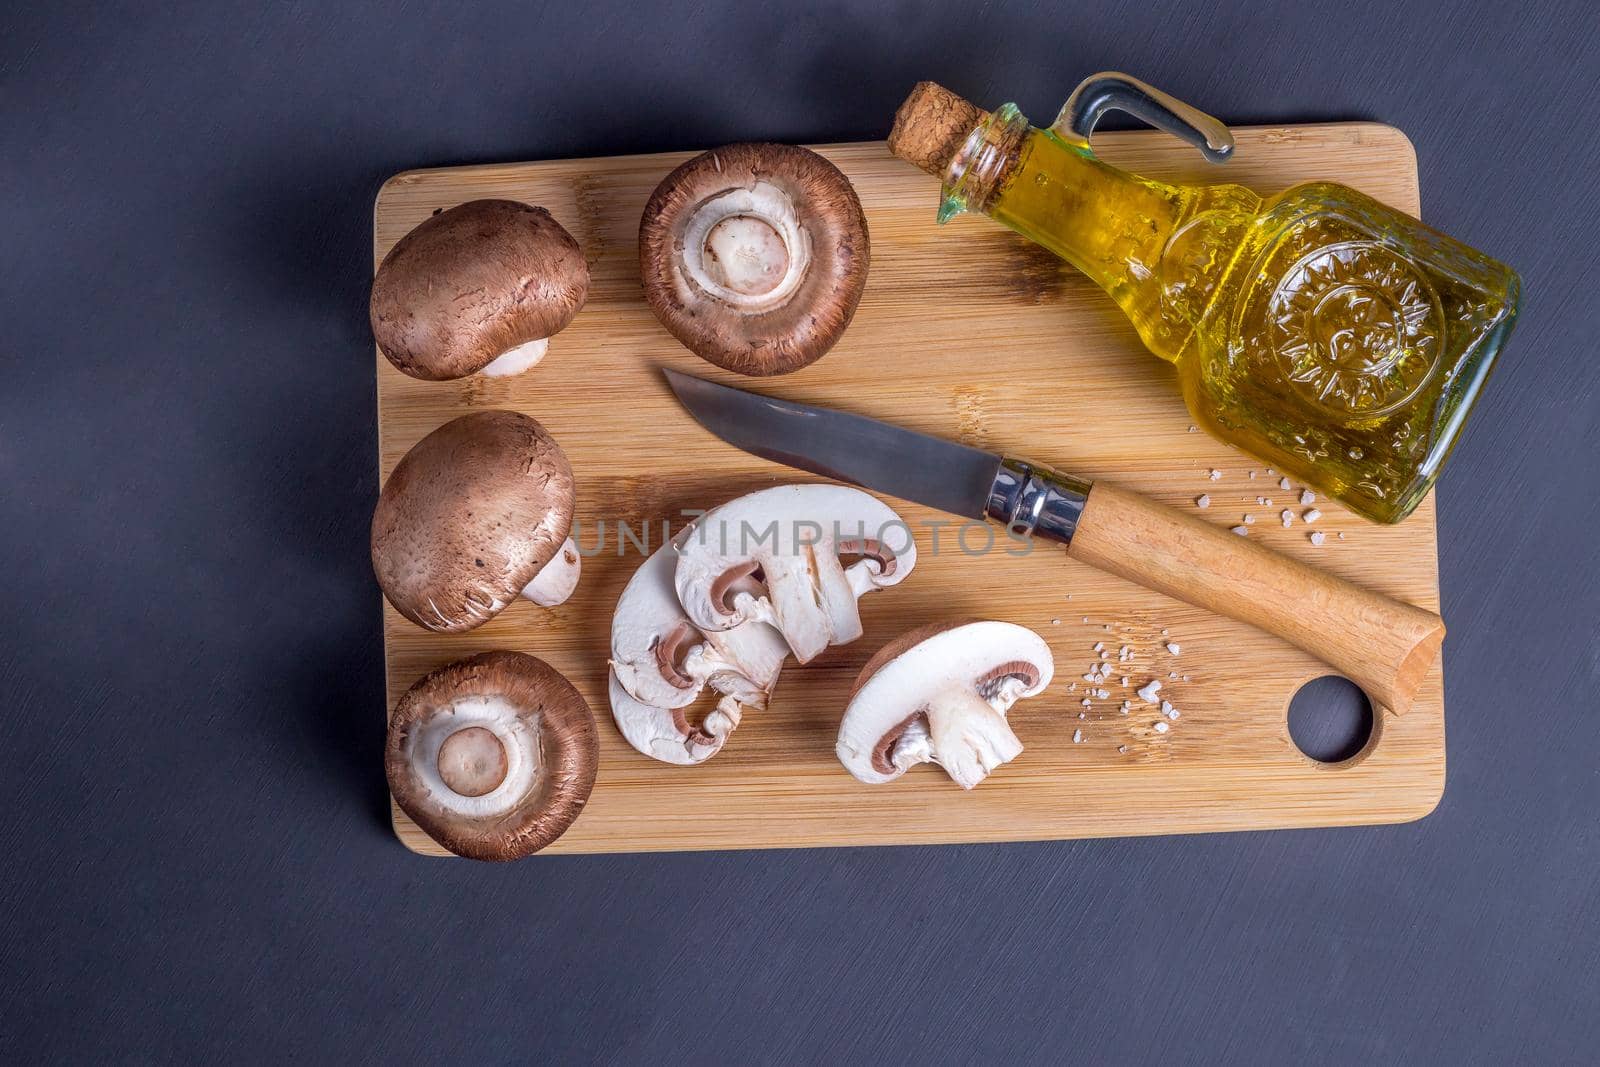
(1382, 644)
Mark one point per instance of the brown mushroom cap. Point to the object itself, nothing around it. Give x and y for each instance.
(473, 282)
(747, 291)
(468, 517)
(499, 722)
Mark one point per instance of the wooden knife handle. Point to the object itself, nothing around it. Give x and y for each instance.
(1383, 645)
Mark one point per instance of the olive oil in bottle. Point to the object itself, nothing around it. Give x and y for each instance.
(1334, 337)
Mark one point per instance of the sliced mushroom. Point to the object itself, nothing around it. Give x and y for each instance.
(755, 256)
(661, 664)
(796, 557)
(492, 756)
(478, 288)
(475, 515)
(940, 694)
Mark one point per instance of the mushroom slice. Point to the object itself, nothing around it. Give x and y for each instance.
(480, 287)
(796, 557)
(492, 756)
(939, 694)
(755, 256)
(475, 515)
(661, 664)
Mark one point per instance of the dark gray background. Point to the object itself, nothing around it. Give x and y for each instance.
(196, 860)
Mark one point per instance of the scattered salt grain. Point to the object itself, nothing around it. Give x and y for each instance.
(1307, 497)
(1161, 726)
(1172, 674)
(1085, 702)
(1124, 681)
(1248, 519)
(1288, 518)
(1214, 474)
(1055, 622)
(1192, 429)
(1341, 535)
(1174, 647)
(1083, 714)
(1241, 531)
(1102, 693)
(1077, 737)
(1125, 707)
(1263, 501)
(1311, 515)
(1098, 646)
(1283, 483)
(1164, 633)
(1122, 749)
(1148, 693)
(1203, 500)
(1318, 537)
(1270, 472)
(1086, 618)
(1168, 710)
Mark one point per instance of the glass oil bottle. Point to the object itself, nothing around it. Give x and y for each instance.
(1337, 339)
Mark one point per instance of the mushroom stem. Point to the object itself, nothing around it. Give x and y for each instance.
(516, 360)
(557, 579)
(970, 737)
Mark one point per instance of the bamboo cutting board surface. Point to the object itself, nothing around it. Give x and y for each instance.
(970, 332)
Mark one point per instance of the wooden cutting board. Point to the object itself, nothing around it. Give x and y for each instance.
(970, 332)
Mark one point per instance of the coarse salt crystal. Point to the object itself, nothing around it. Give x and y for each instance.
(1318, 537)
(1077, 737)
(1341, 535)
(1085, 702)
(1252, 474)
(1091, 677)
(1124, 681)
(1241, 531)
(1161, 726)
(1125, 707)
(1174, 647)
(1148, 693)
(1307, 497)
(1123, 749)
(1311, 515)
(1086, 618)
(1288, 518)
(1283, 483)
(1248, 519)
(1098, 645)
(1215, 474)
(1055, 622)
(1163, 633)
(1083, 714)
(1203, 500)
(1172, 674)
(1102, 693)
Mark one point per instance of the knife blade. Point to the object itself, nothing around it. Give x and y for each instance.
(1384, 645)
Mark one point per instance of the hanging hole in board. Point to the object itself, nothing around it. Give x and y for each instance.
(1330, 719)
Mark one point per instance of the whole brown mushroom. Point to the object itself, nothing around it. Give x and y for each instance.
(755, 256)
(492, 756)
(474, 516)
(479, 288)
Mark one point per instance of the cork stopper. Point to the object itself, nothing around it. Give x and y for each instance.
(931, 126)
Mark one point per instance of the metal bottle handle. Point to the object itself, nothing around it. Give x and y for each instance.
(1112, 91)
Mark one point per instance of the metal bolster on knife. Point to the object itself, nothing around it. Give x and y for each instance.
(1033, 500)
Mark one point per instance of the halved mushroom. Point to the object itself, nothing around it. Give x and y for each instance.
(755, 256)
(660, 665)
(492, 756)
(475, 515)
(939, 694)
(796, 557)
(478, 288)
